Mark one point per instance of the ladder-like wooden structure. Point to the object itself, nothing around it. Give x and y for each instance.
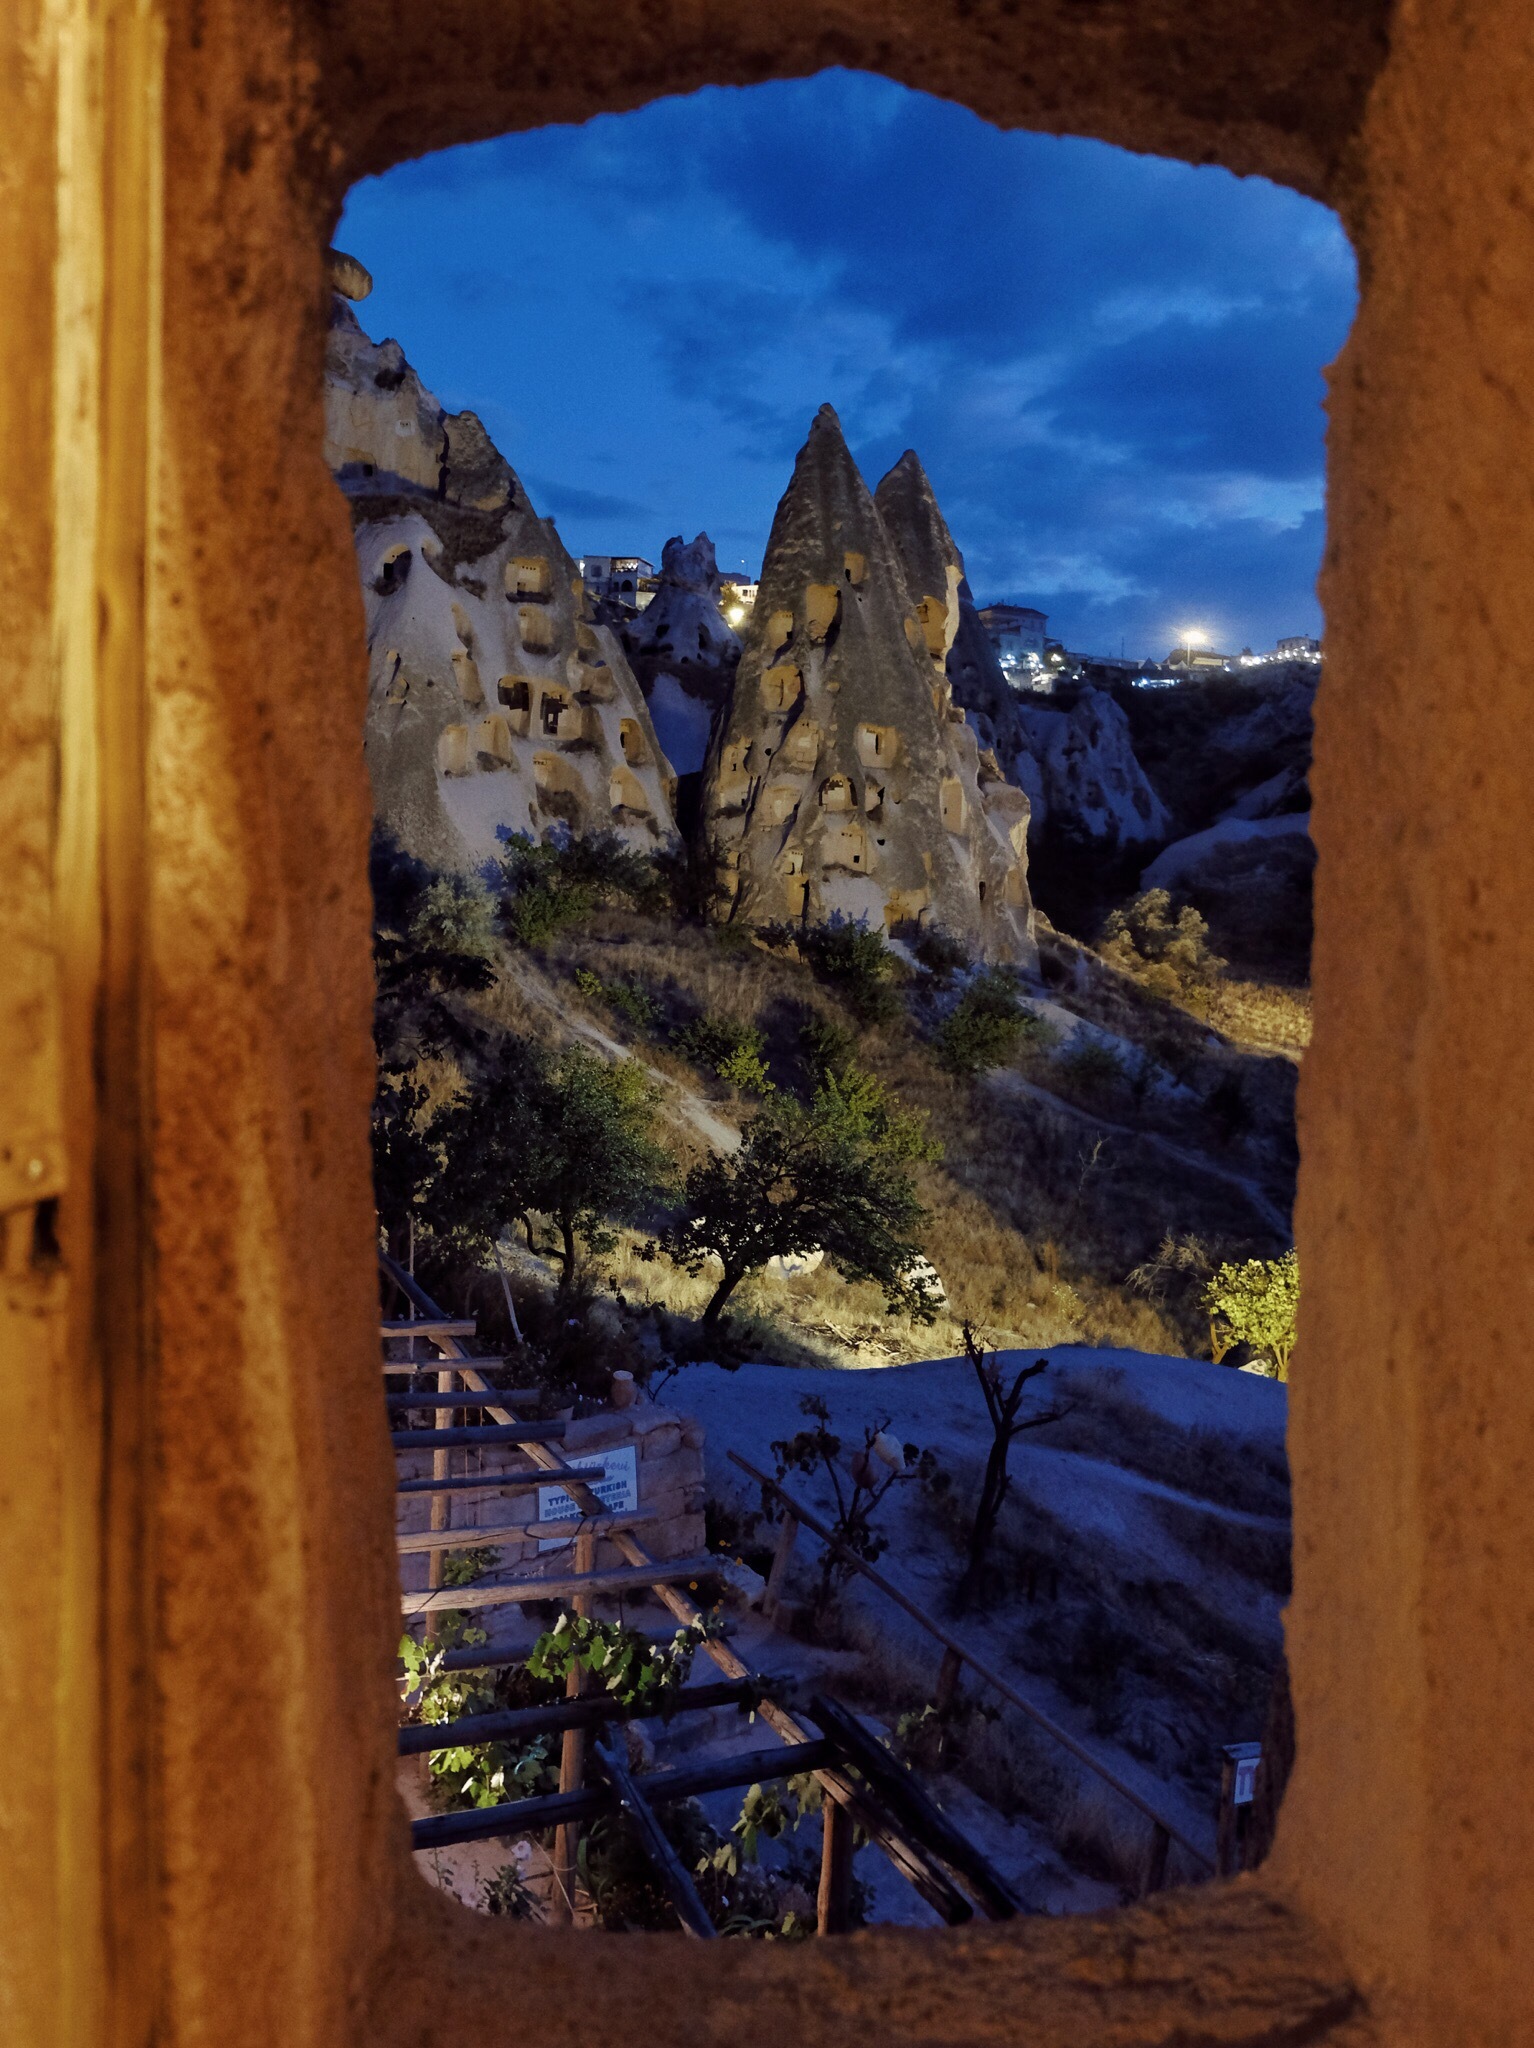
(863, 1784)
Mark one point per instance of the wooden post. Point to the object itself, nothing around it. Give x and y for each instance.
(572, 1758)
(441, 1503)
(833, 1907)
(778, 1573)
(945, 1693)
(1155, 1868)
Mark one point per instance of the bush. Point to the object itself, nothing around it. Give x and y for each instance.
(856, 963)
(987, 1026)
(630, 998)
(940, 952)
(1168, 956)
(1256, 1303)
(550, 888)
(1091, 1069)
(731, 1049)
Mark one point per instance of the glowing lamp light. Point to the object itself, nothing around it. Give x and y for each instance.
(1191, 636)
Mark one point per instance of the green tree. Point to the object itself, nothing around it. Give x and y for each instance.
(1166, 954)
(823, 1177)
(1256, 1303)
(569, 1139)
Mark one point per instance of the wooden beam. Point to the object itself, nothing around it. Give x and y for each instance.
(509, 1482)
(514, 1532)
(895, 1789)
(462, 1439)
(663, 1859)
(622, 1579)
(428, 1326)
(558, 1809)
(833, 1907)
(418, 1738)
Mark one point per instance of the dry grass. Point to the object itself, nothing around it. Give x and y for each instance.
(1262, 1014)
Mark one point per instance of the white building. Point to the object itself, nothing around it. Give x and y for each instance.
(737, 595)
(617, 577)
(1299, 647)
(1016, 631)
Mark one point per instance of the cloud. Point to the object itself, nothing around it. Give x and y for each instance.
(570, 501)
(1110, 364)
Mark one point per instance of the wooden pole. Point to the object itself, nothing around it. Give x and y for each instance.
(833, 1908)
(778, 1571)
(441, 1503)
(1155, 1868)
(572, 1758)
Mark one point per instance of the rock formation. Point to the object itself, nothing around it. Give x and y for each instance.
(682, 631)
(934, 571)
(1084, 782)
(843, 779)
(495, 705)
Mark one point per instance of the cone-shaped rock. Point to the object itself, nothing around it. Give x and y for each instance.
(956, 640)
(842, 779)
(495, 706)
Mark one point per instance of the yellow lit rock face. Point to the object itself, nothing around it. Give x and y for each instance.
(494, 705)
(842, 780)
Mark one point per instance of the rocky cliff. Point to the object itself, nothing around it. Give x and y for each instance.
(495, 704)
(682, 631)
(842, 779)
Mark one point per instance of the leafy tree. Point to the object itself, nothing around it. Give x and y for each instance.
(566, 1139)
(433, 937)
(1003, 1404)
(406, 1157)
(824, 1177)
(856, 963)
(1256, 1303)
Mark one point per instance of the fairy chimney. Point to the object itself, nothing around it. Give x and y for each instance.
(842, 780)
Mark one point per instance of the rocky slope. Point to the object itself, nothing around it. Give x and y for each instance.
(495, 704)
(843, 780)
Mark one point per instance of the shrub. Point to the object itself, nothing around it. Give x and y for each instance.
(1168, 956)
(553, 887)
(1091, 1069)
(856, 963)
(987, 1026)
(940, 952)
(630, 998)
(1256, 1303)
(731, 1049)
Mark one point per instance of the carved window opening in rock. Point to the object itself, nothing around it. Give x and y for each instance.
(782, 687)
(877, 745)
(632, 741)
(854, 567)
(801, 749)
(529, 576)
(466, 675)
(553, 714)
(845, 845)
(516, 694)
(535, 629)
(560, 792)
(393, 569)
(625, 793)
(951, 804)
(822, 607)
(492, 742)
(453, 750)
(782, 801)
(845, 851)
(836, 794)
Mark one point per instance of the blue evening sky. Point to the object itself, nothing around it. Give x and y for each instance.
(1110, 364)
